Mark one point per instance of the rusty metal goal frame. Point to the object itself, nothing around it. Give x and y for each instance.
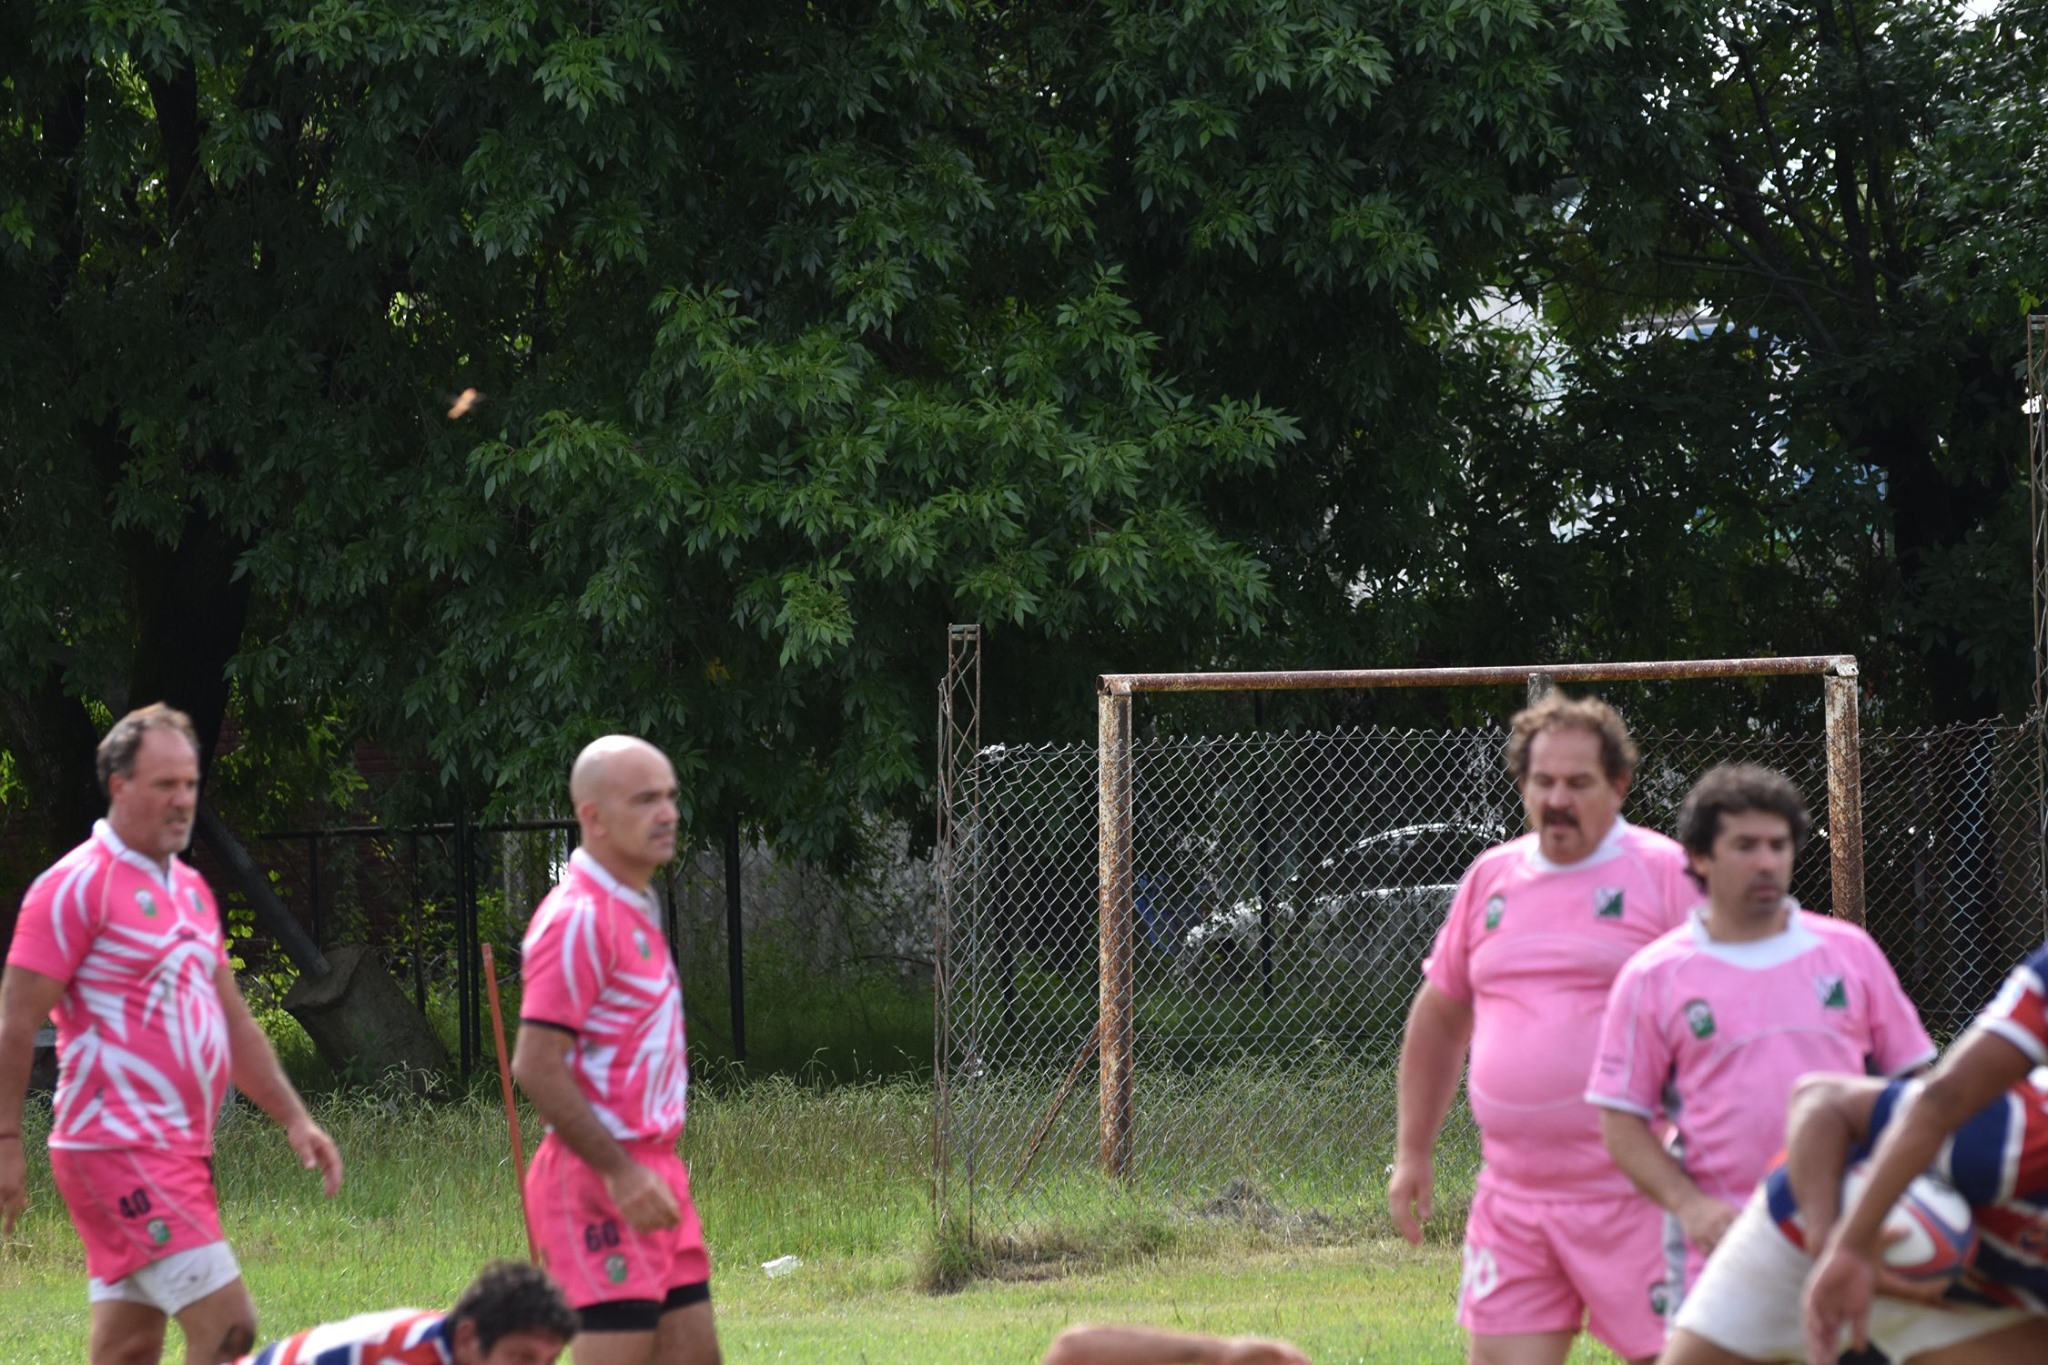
(1115, 1035)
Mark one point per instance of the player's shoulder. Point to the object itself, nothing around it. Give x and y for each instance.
(85, 866)
(573, 901)
(1503, 859)
(1652, 846)
(1669, 952)
(1840, 934)
(187, 880)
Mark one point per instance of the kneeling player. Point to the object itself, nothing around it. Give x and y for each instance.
(1746, 1306)
(511, 1315)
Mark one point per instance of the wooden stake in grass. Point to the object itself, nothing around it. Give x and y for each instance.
(511, 1107)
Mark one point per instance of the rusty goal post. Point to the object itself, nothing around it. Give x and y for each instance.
(1115, 1032)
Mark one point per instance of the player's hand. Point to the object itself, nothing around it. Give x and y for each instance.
(1705, 1221)
(13, 1183)
(316, 1152)
(1411, 1191)
(643, 1197)
(1838, 1293)
(1261, 1351)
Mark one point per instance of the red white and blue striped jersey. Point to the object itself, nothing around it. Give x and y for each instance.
(2019, 1013)
(402, 1336)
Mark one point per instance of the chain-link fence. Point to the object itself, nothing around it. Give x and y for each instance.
(427, 897)
(1285, 889)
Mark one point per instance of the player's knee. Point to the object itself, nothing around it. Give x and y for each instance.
(237, 1339)
(135, 1349)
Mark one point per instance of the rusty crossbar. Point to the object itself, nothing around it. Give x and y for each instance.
(1115, 1025)
(1670, 670)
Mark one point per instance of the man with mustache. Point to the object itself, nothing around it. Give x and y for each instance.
(1711, 1026)
(122, 942)
(600, 1054)
(1557, 1239)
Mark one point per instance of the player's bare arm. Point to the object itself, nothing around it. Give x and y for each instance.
(26, 999)
(1432, 1058)
(1655, 1172)
(1828, 1115)
(256, 1072)
(1845, 1273)
(1088, 1345)
(540, 1063)
(1825, 1118)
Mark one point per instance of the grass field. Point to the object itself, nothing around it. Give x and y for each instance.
(836, 1176)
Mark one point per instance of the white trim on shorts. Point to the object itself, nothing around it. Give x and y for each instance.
(173, 1284)
(1747, 1301)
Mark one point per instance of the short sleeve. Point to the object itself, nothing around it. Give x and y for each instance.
(1898, 1040)
(1449, 964)
(564, 964)
(1635, 1057)
(2019, 1012)
(60, 918)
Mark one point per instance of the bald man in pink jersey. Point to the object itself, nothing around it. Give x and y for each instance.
(121, 941)
(1710, 1027)
(601, 1054)
(1557, 1240)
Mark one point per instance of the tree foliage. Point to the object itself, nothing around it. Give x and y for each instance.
(802, 330)
(1789, 298)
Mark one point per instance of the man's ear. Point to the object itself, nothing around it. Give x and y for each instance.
(465, 1350)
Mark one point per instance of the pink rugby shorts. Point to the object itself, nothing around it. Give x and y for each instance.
(133, 1206)
(590, 1250)
(1559, 1266)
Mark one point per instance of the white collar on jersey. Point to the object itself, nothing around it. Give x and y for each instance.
(1609, 847)
(596, 871)
(104, 832)
(1756, 954)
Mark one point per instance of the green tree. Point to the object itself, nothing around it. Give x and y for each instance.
(801, 330)
(1788, 296)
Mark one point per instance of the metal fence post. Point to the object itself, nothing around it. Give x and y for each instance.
(1114, 1017)
(959, 755)
(735, 964)
(1845, 791)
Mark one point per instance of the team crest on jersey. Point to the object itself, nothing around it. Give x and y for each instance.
(159, 1231)
(1834, 995)
(146, 903)
(615, 1269)
(1699, 1017)
(1607, 902)
(640, 942)
(1494, 906)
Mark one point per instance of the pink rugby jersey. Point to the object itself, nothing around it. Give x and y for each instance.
(403, 1336)
(1532, 946)
(141, 1038)
(1713, 1035)
(595, 965)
